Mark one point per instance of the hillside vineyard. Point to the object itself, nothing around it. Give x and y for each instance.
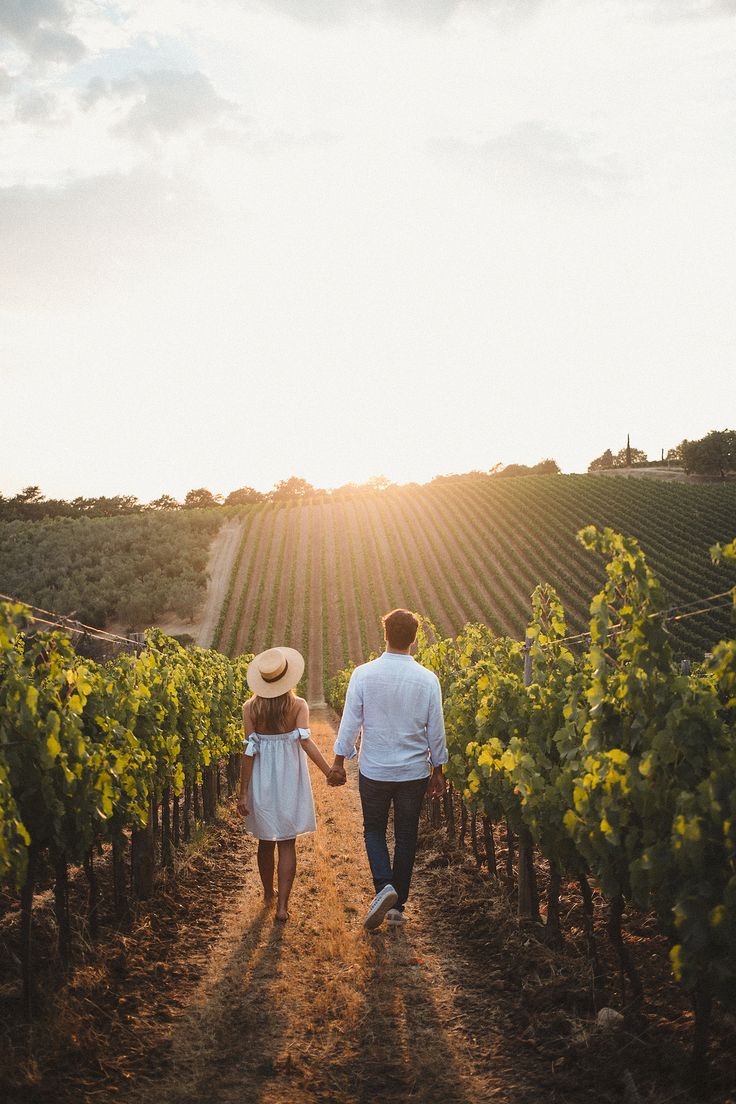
(317, 575)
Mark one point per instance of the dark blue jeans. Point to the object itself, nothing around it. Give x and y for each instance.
(376, 798)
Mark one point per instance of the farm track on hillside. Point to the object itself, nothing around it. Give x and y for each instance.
(319, 574)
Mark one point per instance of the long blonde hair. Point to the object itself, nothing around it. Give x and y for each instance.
(271, 714)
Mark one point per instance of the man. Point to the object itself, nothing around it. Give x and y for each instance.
(397, 704)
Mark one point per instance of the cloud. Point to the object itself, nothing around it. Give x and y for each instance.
(165, 103)
(6, 82)
(533, 155)
(427, 11)
(36, 107)
(63, 243)
(668, 10)
(39, 28)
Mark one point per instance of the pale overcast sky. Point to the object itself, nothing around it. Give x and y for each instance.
(245, 239)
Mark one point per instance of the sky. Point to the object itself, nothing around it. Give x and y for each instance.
(247, 239)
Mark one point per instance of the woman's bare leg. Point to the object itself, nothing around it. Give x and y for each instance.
(286, 872)
(266, 850)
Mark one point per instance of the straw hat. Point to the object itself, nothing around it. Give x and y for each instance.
(275, 671)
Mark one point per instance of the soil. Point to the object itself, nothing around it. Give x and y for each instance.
(205, 997)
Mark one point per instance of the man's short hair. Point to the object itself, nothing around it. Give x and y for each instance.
(400, 628)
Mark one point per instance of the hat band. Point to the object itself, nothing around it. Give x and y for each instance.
(280, 675)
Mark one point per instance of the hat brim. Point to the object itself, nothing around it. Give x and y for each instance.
(289, 679)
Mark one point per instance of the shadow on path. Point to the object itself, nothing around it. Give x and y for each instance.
(405, 1052)
(231, 1037)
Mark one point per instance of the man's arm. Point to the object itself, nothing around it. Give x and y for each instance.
(350, 725)
(438, 754)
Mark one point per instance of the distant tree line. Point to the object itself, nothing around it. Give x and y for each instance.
(129, 569)
(713, 455)
(625, 458)
(32, 504)
(544, 467)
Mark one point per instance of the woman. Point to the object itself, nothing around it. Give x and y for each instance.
(275, 791)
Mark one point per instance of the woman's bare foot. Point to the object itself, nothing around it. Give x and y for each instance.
(268, 898)
(282, 914)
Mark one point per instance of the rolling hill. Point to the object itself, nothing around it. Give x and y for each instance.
(317, 575)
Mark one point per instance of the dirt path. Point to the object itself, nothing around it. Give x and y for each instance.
(318, 1010)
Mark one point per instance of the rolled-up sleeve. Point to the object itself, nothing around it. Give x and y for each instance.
(436, 727)
(352, 719)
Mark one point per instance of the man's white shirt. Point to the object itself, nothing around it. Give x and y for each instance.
(397, 705)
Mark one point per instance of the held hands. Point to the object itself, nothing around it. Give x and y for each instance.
(337, 776)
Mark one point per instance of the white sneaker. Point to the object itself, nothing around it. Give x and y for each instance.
(396, 917)
(381, 903)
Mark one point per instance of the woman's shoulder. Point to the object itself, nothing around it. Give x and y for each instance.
(301, 710)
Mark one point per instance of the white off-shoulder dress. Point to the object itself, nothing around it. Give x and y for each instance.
(280, 792)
